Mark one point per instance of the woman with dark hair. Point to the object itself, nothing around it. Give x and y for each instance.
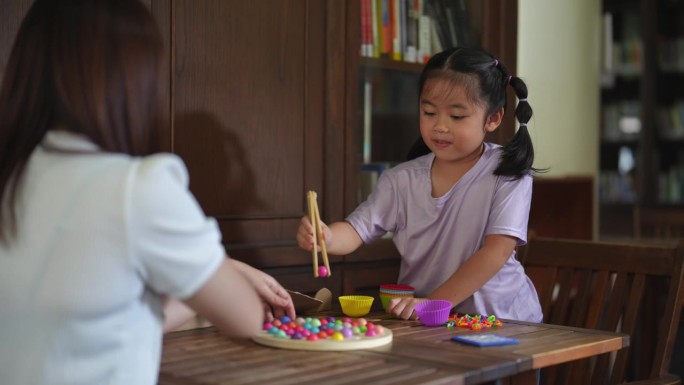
(458, 210)
(102, 246)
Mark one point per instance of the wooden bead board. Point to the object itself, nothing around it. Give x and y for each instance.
(351, 343)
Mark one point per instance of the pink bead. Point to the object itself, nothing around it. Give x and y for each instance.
(322, 271)
(370, 333)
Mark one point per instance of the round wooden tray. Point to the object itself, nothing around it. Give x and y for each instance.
(353, 343)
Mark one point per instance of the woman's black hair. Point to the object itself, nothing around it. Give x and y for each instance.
(92, 67)
(486, 78)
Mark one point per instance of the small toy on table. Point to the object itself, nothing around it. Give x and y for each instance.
(476, 322)
(484, 339)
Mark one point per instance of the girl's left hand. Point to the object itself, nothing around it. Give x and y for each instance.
(403, 307)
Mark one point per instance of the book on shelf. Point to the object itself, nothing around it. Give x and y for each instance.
(366, 29)
(367, 120)
(411, 24)
(448, 8)
(607, 43)
(425, 47)
(464, 32)
(398, 25)
(435, 11)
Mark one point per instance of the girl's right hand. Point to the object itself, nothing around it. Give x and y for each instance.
(403, 308)
(305, 235)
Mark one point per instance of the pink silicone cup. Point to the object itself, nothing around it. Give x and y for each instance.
(394, 288)
(433, 312)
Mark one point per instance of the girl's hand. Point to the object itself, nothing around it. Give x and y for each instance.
(403, 307)
(305, 235)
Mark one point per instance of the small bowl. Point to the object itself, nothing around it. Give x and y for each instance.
(356, 305)
(433, 312)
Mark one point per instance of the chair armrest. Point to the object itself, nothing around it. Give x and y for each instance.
(665, 379)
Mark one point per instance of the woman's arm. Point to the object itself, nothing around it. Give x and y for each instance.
(276, 300)
(176, 313)
(230, 302)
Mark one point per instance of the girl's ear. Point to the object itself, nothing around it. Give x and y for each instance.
(494, 120)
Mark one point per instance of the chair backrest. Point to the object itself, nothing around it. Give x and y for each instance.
(658, 223)
(628, 288)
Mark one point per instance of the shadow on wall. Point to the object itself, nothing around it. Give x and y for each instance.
(220, 176)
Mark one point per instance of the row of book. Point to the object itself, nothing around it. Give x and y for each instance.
(671, 185)
(671, 54)
(413, 30)
(619, 188)
(670, 121)
(615, 187)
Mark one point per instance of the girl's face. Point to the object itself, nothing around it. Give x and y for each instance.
(452, 125)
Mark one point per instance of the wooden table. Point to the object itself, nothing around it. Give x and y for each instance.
(417, 355)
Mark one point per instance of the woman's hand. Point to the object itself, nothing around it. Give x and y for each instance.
(276, 300)
(403, 307)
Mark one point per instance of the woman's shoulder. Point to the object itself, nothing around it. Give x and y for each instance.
(159, 174)
(165, 165)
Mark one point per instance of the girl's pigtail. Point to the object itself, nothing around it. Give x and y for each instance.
(518, 154)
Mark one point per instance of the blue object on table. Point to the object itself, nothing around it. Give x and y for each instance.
(484, 339)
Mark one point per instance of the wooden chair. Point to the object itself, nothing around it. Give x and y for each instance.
(627, 288)
(658, 224)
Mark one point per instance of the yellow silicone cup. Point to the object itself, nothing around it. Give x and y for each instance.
(356, 305)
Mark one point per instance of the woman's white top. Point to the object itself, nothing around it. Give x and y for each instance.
(101, 238)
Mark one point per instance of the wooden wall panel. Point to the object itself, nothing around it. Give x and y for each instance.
(562, 207)
(247, 102)
(11, 14)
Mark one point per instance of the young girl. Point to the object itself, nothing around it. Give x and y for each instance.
(458, 212)
(99, 238)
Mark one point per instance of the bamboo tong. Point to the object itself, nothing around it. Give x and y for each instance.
(315, 218)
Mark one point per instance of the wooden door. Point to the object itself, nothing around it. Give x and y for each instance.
(249, 113)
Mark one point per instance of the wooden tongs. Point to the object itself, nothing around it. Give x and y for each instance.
(315, 218)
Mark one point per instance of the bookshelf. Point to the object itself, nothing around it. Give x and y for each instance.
(642, 110)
